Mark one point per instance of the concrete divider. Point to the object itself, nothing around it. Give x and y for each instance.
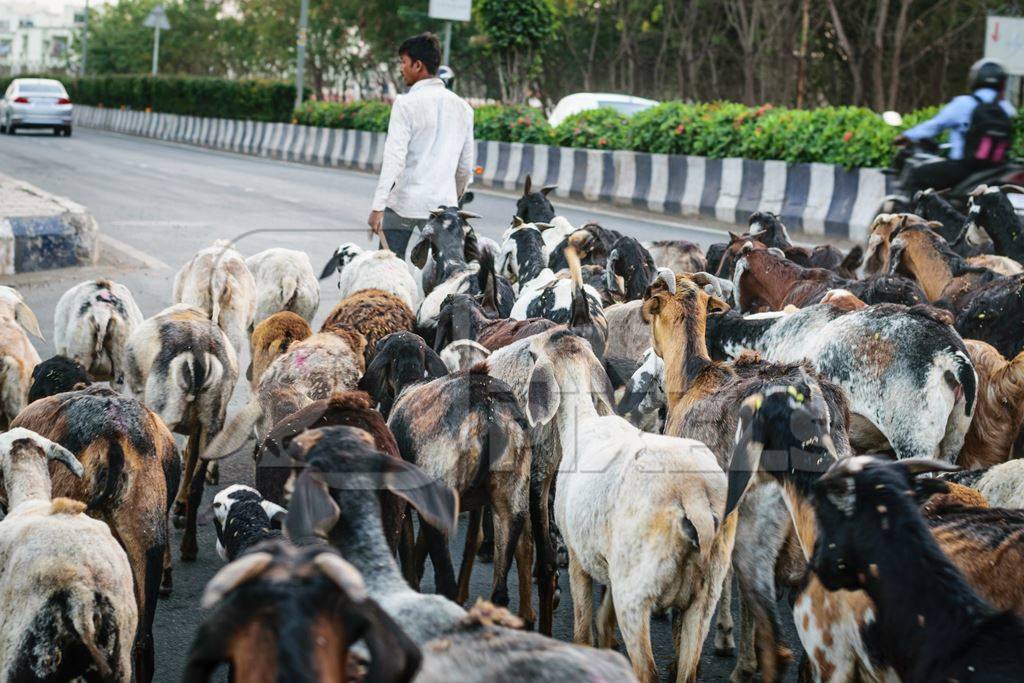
(816, 199)
(39, 231)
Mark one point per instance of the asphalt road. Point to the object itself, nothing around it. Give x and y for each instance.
(158, 203)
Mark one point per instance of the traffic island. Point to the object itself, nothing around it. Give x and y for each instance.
(41, 231)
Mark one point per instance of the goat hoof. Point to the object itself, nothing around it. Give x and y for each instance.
(562, 557)
(213, 474)
(556, 598)
(529, 624)
(725, 650)
(742, 676)
(189, 550)
(485, 555)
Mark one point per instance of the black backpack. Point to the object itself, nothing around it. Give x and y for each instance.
(990, 133)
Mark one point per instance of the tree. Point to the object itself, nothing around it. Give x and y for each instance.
(515, 31)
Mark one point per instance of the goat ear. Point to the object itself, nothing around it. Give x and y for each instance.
(601, 387)
(548, 189)
(248, 372)
(716, 305)
(312, 513)
(420, 253)
(393, 655)
(775, 251)
(54, 451)
(343, 575)
(527, 185)
(332, 265)
(27, 319)
(517, 222)
(437, 503)
(233, 575)
(276, 513)
(470, 246)
(434, 364)
(746, 456)
(542, 395)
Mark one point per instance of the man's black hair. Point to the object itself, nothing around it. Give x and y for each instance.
(426, 48)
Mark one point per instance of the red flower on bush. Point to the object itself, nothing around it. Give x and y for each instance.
(763, 108)
(680, 128)
(758, 130)
(577, 131)
(847, 135)
(602, 142)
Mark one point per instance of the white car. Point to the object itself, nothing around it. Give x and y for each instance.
(35, 103)
(582, 101)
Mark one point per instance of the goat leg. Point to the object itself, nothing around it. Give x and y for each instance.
(545, 567)
(189, 543)
(524, 573)
(440, 557)
(407, 552)
(469, 552)
(167, 580)
(486, 551)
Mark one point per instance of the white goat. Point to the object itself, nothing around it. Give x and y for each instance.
(217, 282)
(92, 324)
(17, 355)
(463, 354)
(68, 605)
(1003, 484)
(640, 513)
(380, 269)
(284, 282)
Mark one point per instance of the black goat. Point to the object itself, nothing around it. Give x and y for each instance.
(631, 262)
(768, 230)
(992, 312)
(930, 625)
(289, 613)
(991, 209)
(55, 376)
(592, 242)
(535, 207)
(932, 206)
(402, 359)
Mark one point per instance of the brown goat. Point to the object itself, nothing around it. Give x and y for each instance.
(132, 469)
(373, 313)
(1000, 409)
(289, 613)
(919, 252)
(271, 338)
(765, 278)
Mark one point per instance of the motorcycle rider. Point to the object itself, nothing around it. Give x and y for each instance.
(980, 130)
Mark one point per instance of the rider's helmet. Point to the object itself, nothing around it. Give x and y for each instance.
(986, 73)
(446, 74)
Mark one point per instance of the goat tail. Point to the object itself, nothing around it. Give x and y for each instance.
(222, 283)
(495, 439)
(968, 379)
(86, 612)
(289, 293)
(579, 312)
(235, 434)
(112, 471)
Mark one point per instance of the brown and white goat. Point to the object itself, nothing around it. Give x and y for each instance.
(132, 469)
(373, 313)
(17, 355)
(289, 613)
(182, 366)
(217, 282)
(92, 324)
(271, 338)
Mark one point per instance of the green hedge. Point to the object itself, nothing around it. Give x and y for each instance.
(260, 100)
(846, 136)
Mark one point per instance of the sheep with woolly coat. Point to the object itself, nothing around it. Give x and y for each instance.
(359, 269)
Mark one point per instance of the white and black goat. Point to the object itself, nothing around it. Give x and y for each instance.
(990, 209)
(18, 357)
(242, 518)
(217, 282)
(359, 269)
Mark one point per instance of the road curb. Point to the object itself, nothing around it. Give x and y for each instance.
(811, 198)
(40, 231)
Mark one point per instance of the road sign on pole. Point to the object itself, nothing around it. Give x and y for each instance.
(157, 20)
(1004, 40)
(450, 10)
(300, 52)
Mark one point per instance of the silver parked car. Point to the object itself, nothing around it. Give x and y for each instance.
(35, 103)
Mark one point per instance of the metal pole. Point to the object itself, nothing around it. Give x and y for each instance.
(300, 56)
(85, 39)
(447, 42)
(156, 48)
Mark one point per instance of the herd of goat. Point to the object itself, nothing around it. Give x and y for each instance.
(671, 424)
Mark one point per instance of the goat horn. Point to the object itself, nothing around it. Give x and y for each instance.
(55, 451)
(233, 575)
(922, 465)
(466, 215)
(343, 574)
(1012, 189)
(978, 191)
(669, 278)
(517, 221)
(437, 213)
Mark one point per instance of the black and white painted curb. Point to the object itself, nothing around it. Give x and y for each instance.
(40, 231)
(816, 199)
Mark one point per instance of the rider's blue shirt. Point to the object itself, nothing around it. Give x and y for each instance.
(956, 118)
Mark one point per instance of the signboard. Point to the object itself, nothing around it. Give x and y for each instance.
(450, 10)
(157, 19)
(1004, 40)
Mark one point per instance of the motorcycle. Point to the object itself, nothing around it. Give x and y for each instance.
(920, 152)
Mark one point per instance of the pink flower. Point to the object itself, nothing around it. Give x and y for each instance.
(602, 142)
(847, 136)
(680, 128)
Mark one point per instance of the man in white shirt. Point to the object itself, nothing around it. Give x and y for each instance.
(428, 156)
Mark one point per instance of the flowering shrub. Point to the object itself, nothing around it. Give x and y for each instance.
(602, 128)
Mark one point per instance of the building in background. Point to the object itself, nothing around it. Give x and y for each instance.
(37, 37)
